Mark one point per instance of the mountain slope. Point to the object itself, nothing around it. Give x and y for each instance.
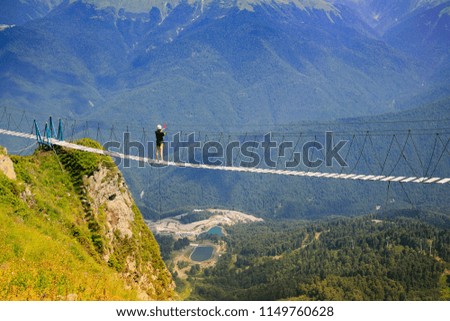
(216, 64)
(70, 231)
(18, 12)
(425, 34)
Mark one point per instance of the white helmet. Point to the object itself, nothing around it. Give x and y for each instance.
(159, 127)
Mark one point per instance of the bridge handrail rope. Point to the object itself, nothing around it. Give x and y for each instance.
(362, 177)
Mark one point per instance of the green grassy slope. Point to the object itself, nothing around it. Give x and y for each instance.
(49, 246)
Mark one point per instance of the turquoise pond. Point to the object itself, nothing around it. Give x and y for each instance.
(202, 253)
(217, 230)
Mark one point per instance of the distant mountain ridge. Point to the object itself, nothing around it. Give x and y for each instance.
(378, 13)
(277, 58)
(19, 12)
(146, 5)
(382, 15)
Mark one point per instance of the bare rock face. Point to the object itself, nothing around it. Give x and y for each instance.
(6, 164)
(109, 195)
(112, 204)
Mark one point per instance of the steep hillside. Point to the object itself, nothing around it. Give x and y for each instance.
(69, 230)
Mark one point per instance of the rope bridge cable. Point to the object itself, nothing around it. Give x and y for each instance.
(361, 177)
(20, 151)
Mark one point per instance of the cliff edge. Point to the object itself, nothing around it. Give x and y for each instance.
(70, 230)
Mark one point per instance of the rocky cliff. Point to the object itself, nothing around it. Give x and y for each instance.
(70, 230)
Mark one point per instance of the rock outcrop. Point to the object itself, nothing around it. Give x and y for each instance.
(114, 208)
(6, 165)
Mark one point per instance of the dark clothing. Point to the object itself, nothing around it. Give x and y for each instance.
(159, 137)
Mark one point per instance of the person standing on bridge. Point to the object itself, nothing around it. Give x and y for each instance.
(159, 133)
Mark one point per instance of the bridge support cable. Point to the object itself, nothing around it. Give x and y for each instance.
(442, 154)
(375, 153)
(422, 165)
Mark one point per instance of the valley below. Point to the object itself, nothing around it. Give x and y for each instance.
(217, 254)
(200, 234)
(215, 217)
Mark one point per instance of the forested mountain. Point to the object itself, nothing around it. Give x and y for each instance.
(396, 256)
(217, 63)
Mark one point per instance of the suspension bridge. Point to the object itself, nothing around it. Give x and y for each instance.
(361, 142)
